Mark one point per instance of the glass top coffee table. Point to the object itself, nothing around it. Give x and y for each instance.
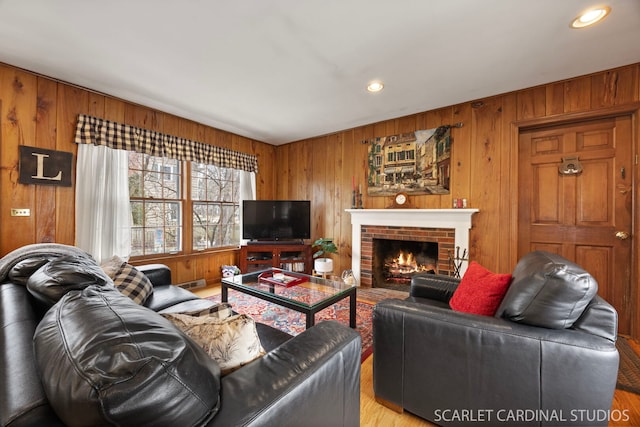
(305, 294)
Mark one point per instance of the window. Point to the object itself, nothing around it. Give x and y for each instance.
(160, 207)
(215, 194)
(155, 194)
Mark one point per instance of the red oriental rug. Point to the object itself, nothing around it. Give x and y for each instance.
(294, 322)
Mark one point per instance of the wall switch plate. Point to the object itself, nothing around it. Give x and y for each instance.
(20, 212)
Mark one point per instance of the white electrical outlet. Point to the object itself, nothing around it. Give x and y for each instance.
(20, 212)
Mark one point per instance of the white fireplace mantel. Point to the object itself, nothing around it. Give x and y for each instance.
(457, 219)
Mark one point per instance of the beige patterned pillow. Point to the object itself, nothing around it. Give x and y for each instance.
(128, 279)
(232, 342)
(220, 311)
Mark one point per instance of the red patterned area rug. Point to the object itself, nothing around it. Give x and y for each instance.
(294, 322)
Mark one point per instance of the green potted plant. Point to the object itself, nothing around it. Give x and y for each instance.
(324, 246)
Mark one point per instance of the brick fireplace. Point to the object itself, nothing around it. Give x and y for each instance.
(448, 228)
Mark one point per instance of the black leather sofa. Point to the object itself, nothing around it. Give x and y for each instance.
(455, 368)
(310, 379)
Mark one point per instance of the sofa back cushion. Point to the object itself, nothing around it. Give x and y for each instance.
(105, 360)
(60, 275)
(548, 291)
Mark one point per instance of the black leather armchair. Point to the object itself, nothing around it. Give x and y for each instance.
(455, 368)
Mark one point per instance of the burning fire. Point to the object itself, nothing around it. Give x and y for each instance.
(405, 263)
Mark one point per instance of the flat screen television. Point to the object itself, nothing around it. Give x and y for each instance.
(276, 220)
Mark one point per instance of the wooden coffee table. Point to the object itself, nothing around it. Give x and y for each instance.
(309, 297)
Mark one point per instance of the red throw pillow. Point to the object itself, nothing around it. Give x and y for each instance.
(480, 291)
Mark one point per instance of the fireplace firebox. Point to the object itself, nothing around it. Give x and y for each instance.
(396, 261)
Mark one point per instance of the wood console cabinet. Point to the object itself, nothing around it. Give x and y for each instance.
(292, 257)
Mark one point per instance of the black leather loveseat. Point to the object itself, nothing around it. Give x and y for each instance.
(547, 357)
(129, 366)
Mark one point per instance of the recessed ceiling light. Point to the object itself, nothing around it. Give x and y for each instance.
(590, 17)
(375, 86)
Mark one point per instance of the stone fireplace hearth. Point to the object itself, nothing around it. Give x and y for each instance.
(449, 228)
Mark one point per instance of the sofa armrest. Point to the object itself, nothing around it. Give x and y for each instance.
(22, 398)
(312, 379)
(158, 274)
(433, 286)
(599, 318)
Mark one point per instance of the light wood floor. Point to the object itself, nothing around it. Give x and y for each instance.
(372, 414)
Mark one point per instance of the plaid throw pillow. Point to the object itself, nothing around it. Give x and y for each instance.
(128, 279)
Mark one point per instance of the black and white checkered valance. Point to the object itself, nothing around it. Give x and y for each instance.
(92, 130)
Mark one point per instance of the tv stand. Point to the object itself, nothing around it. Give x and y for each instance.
(294, 256)
(276, 242)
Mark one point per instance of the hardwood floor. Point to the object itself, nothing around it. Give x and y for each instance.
(626, 405)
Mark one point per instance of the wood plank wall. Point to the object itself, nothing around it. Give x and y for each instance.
(40, 112)
(484, 156)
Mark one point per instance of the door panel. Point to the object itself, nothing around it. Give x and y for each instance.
(577, 215)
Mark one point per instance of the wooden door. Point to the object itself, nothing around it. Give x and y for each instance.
(584, 215)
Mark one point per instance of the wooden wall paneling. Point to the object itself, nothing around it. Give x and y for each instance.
(485, 186)
(360, 164)
(302, 164)
(614, 87)
(577, 95)
(507, 251)
(143, 117)
(171, 125)
(461, 157)
(286, 172)
(46, 137)
(348, 159)
(635, 250)
(71, 102)
(186, 269)
(283, 177)
(266, 176)
(3, 178)
(407, 123)
(531, 103)
(318, 175)
(200, 268)
(18, 91)
(554, 102)
(218, 138)
(96, 105)
(113, 110)
(359, 168)
(334, 208)
(296, 170)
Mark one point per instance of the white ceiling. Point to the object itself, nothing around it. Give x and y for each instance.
(283, 70)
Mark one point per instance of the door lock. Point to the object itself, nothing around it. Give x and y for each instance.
(622, 235)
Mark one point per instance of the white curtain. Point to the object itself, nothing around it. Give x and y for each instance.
(247, 192)
(103, 212)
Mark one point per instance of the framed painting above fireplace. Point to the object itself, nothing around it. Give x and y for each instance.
(414, 163)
